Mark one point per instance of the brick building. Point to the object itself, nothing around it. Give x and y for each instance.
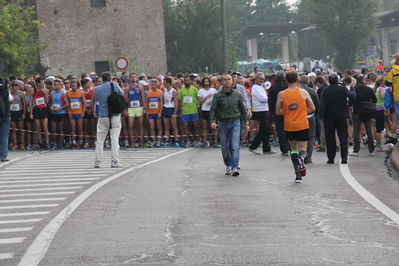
(89, 35)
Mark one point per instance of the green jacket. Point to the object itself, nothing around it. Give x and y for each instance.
(228, 108)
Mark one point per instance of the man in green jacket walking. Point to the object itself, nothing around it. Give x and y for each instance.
(229, 108)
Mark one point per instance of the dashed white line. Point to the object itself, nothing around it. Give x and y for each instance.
(4, 256)
(16, 229)
(37, 194)
(37, 189)
(28, 206)
(22, 214)
(56, 184)
(31, 200)
(370, 198)
(20, 221)
(47, 180)
(12, 240)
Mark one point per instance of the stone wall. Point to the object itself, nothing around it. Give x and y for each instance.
(79, 35)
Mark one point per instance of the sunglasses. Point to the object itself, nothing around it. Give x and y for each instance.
(67, 83)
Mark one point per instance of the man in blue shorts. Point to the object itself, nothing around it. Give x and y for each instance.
(189, 105)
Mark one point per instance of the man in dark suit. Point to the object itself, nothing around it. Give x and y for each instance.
(334, 112)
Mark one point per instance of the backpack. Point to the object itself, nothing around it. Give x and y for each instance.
(388, 100)
(116, 102)
(367, 109)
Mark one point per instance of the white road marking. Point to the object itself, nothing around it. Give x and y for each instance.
(45, 185)
(47, 180)
(12, 240)
(40, 245)
(22, 214)
(16, 229)
(20, 221)
(38, 189)
(370, 198)
(31, 200)
(28, 206)
(52, 176)
(4, 256)
(52, 171)
(37, 194)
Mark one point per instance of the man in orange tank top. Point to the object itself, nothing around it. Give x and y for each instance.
(294, 104)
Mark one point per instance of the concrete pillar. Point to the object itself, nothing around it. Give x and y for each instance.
(254, 49)
(386, 58)
(285, 52)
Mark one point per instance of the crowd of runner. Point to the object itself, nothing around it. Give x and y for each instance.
(60, 112)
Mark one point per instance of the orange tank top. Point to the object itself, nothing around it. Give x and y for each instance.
(295, 113)
(75, 102)
(154, 102)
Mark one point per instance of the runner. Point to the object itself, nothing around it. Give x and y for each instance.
(77, 105)
(89, 122)
(205, 96)
(18, 110)
(38, 105)
(154, 102)
(135, 98)
(189, 106)
(58, 104)
(295, 104)
(170, 112)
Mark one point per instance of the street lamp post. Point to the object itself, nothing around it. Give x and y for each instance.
(224, 36)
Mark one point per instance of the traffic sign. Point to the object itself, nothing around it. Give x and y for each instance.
(121, 63)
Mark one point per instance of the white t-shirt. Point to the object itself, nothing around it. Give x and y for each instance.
(206, 106)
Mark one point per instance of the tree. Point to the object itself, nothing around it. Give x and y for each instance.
(19, 44)
(193, 35)
(349, 23)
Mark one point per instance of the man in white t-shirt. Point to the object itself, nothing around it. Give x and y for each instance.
(205, 96)
(260, 113)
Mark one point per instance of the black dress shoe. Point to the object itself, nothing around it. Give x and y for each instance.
(344, 162)
(330, 162)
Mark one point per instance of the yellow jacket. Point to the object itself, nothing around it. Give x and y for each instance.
(393, 78)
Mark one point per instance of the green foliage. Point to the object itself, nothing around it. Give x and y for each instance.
(19, 45)
(348, 24)
(260, 12)
(386, 5)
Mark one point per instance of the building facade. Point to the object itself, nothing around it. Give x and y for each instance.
(89, 35)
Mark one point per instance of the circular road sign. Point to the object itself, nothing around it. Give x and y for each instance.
(121, 63)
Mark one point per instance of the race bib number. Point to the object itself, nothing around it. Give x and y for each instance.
(153, 105)
(188, 99)
(134, 104)
(56, 106)
(88, 103)
(168, 101)
(14, 107)
(40, 101)
(75, 105)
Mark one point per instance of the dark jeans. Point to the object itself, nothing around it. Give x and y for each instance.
(309, 147)
(263, 134)
(332, 124)
(282, 140)
(4, 133)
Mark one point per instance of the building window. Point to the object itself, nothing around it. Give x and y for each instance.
(101, 66)
(98, 3)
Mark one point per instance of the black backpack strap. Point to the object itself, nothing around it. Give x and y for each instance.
(109, 107)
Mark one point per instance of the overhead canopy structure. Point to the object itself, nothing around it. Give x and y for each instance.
(255, 30)
(388, 19)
